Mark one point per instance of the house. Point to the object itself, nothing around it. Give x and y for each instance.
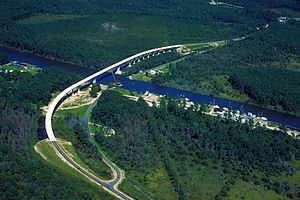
(109, 131)
(24, 64)
(283, 19)
(152, 72)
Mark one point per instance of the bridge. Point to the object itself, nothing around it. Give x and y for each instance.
(111, 186)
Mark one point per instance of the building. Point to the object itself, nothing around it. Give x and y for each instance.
(152, 72)
(283, 19)
(24, 64)
(109, 132)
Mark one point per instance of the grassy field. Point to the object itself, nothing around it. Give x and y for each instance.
(184, 32)
(144, 78)
(122, 91)
(112, 32)
(285, 12)
(53, 160)
(130, 188)
(203, 182)
(197, 47)
(93, 165)
(81, 155)
(46, 19)
(158, 185)
(95, 128)
(294, 181)
(108, 38)
(78, 112)
(11, 67)
(247, 190)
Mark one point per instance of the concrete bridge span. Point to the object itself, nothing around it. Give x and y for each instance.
(76, 86)
(112, 186)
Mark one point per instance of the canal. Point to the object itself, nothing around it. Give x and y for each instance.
(141, 87)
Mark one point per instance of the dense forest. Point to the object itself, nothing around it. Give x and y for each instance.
(270, 58)
(29, 178)
(25, 89)
(167, 152)
(110, 30)
(4, 59)
(269, 86)
(22, 94)
(23, 174)
(185, 139)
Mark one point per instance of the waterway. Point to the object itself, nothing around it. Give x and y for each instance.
(141, 87)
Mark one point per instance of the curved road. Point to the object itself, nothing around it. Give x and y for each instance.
(85, 120)
(55, 103)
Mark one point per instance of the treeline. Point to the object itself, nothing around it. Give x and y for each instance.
(292, 4)
(153, 62)
(24, 178)
(172, 9)
(21, 95)
(23, 174)
(73, 130)
(133, 149)
(182, 22)
(185, 139)
(24, 89)
(4, 59)
(16, 127)
(275, 49)
(269, 86)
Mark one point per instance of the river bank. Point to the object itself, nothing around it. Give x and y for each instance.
(149, 74)
(235, 98)
(142, 87)
(43, 61)
(213, 110)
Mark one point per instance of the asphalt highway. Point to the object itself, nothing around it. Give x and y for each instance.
(85, 120)
(52, 107)
(109, 186)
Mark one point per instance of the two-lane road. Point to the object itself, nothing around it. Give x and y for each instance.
(55, 103)
(109, 186)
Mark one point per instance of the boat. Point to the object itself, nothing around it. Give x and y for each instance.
(118, 84)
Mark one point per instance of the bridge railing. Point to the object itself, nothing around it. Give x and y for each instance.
(57, 100)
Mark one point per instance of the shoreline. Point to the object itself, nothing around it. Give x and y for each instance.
(45, 57)
(221, 97)
(184, 90)
(236, 115)
(237, 100)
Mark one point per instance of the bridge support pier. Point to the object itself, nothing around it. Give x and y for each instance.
(119, 71)
(94, 80)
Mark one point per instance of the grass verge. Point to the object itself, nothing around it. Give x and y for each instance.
(77, 112)
(53, 160)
